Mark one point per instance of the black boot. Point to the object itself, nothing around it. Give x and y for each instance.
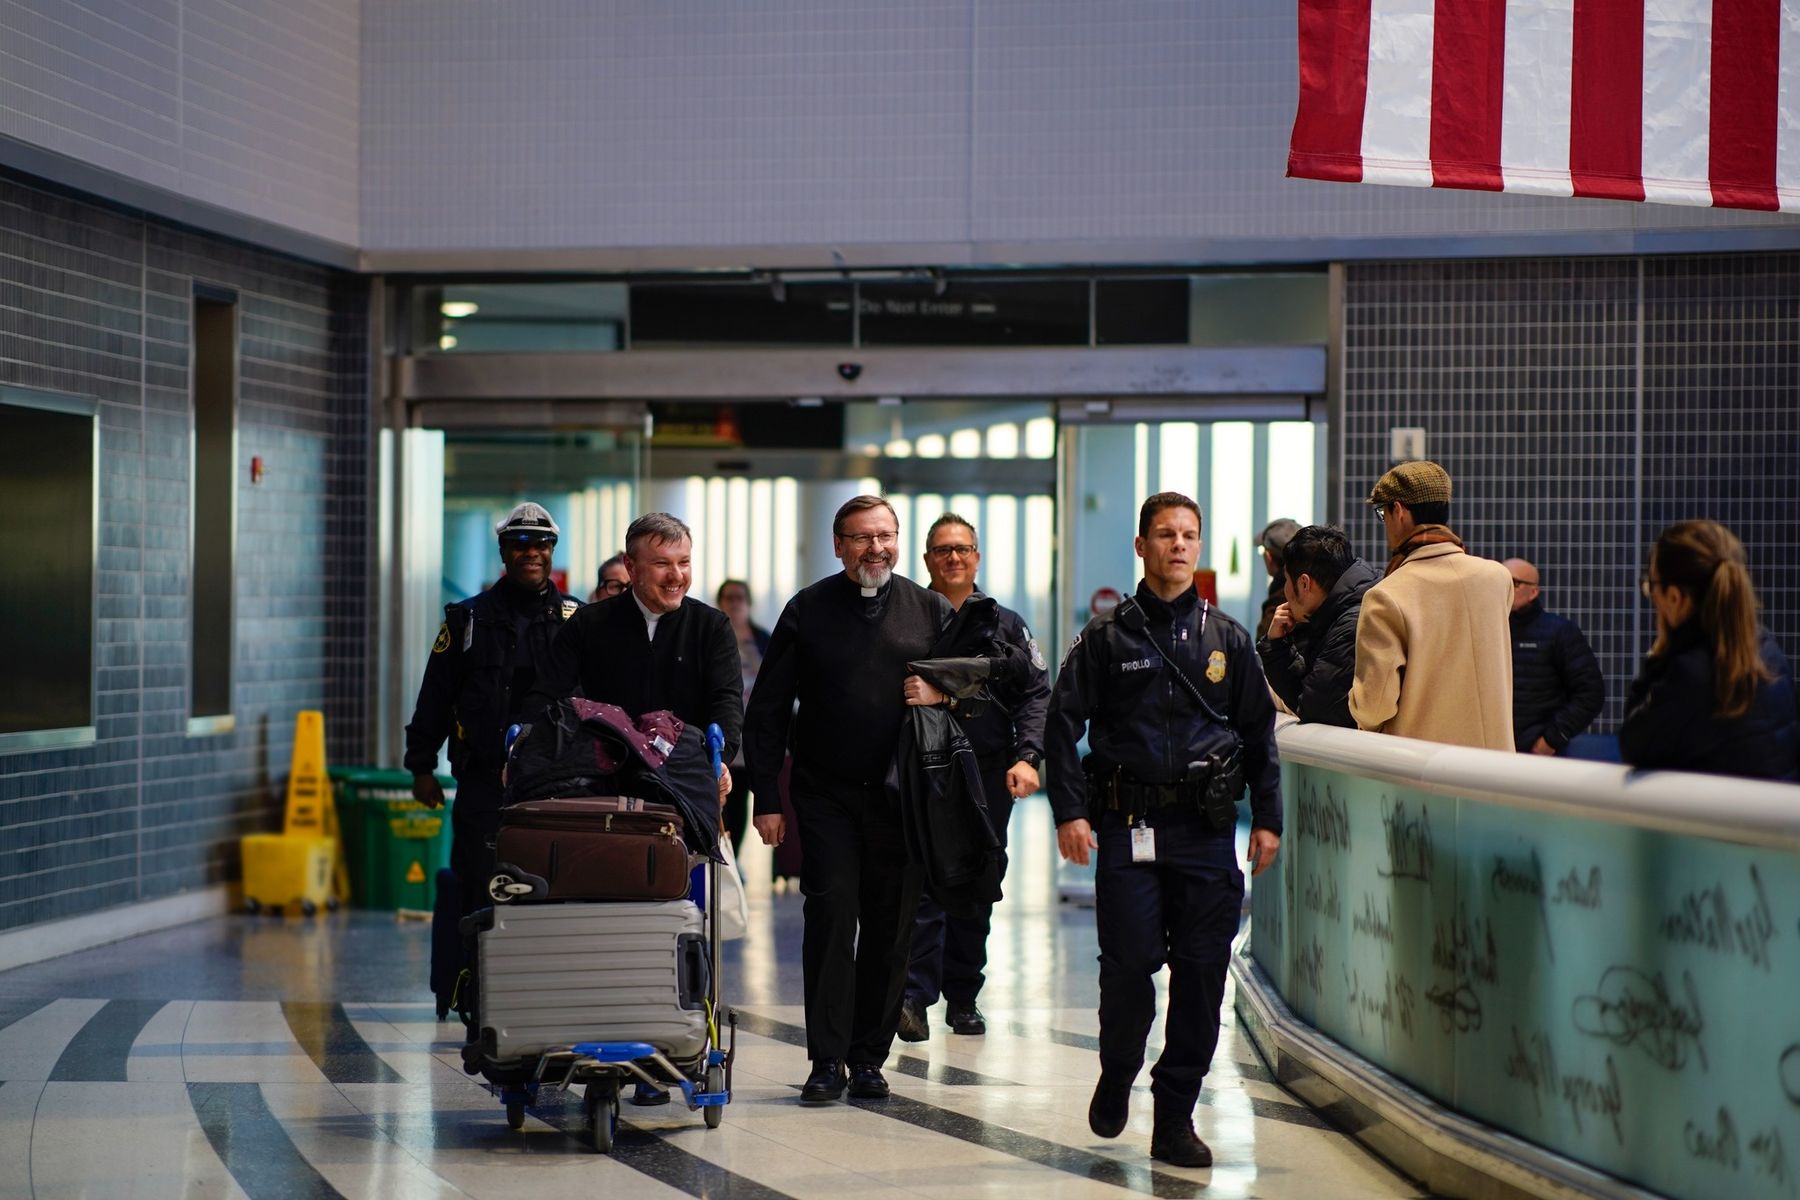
(867, 1082)
(1173, 1139)
(965, 1018)
(825, 1084)
(1110, 1107)
(913, 1025)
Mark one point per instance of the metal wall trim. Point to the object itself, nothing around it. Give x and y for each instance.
(780, 374)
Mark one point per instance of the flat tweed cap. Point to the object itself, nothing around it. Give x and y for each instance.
(1417, 482)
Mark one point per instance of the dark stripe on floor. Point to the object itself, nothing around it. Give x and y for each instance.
(904, 1064)
(331, 1041)
(97, 1052)
(1087, 1041)
(1274, 1110)
(253, 1146)
(648, 1154)
(1081, 1163)
(17, 1010)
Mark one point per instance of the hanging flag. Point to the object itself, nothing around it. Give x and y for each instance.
(1670, 101)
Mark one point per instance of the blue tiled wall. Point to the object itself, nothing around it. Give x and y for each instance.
(97, 302)
(1581, 405)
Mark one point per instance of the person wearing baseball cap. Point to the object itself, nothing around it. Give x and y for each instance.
(1434, 641)
(489, 651)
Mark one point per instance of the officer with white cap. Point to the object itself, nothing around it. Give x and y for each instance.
(488, 653)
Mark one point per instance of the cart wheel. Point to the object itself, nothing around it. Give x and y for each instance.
(252, 905)
(603, 1113)
(515, 1114)
(713, 1114)
(331, 904)
(308, 908)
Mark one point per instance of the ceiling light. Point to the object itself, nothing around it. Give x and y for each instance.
(447, 342)
(457, 309)
(809, 402)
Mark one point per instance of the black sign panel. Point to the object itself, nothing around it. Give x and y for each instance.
(807, 314)
(750, 426)
(1052, 312)
(1141, 312)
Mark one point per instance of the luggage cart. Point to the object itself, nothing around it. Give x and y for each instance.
(603, 1068)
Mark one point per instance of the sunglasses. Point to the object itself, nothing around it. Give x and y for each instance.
(528, 541)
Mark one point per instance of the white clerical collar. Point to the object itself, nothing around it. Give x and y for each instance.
(866, 592)
(650, 618)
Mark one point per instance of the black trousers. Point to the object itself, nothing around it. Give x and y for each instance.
(474, 823)
(949, 954)
(1182, 909)
(860, 897)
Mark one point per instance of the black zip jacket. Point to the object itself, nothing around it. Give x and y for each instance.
(1669, 721)
(936, 777)
(1012, 723)
(1557, 686)
(843, 656)
(691, 669)
(1311, 669)
(1139, 718)
(489, 652)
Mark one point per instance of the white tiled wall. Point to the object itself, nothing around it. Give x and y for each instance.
(606, 123)
(251, 105)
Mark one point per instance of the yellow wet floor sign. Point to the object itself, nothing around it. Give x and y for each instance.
(415, 873)
(310, 811)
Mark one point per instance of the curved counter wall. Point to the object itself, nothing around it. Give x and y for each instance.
(1597, 971)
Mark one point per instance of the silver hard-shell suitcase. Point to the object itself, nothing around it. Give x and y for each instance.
(553, 975)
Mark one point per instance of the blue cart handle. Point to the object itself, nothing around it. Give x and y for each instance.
(715, 746)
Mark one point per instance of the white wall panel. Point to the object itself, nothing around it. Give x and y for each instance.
(543, 124)
(250, 105)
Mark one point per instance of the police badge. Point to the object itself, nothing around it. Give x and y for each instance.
(1215, 666)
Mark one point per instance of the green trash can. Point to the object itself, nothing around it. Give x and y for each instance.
(393, 845)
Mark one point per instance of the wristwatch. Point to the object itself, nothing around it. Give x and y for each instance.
(1032, 759)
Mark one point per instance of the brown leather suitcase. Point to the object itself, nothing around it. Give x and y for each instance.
(589, 848)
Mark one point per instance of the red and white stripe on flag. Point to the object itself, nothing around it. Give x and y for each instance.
(1671, 101)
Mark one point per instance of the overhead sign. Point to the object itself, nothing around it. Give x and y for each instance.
(1104, 600)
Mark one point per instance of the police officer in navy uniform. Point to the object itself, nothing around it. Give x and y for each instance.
(1179, 720)
(487, 655)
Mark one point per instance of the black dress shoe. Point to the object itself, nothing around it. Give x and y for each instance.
(1175, 1142)
(867, 1082)
(965, 1018)
(913, 1025)
(1109, 1109)
(825, 1084)
(647, 1096)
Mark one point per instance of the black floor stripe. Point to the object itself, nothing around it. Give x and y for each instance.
(1036, 1150)
(255, 1149)
(1087, 1041)
(1274, 1110)
(645, 1152)
(333, 1044)
(14, 1010)
(905, 1064)
(97, 1052)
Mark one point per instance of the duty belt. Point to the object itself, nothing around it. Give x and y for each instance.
(1121, 794)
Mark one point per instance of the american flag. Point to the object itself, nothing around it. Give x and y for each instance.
(1670, 101)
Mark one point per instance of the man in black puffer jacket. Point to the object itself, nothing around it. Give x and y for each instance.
(1557, 686)
(1309, 652)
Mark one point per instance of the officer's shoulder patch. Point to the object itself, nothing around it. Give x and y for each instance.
(569, 607)
(1071, 649)
(1037, 653)
(443, 639)
(1215, 666)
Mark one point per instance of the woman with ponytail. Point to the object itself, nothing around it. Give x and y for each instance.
(1716, 693)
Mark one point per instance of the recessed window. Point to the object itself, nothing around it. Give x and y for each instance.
(213, 558)
(49, 468)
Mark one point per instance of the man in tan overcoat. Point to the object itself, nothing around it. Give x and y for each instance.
(1433, 644)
